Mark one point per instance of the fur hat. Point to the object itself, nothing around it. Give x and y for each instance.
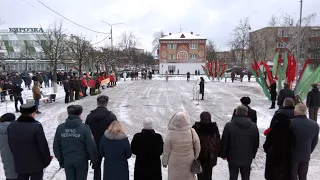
(7, 117)
(28, 108)
(148, 123)
(245, 100)
(74, 110)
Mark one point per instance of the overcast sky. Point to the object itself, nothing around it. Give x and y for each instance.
(213, 19)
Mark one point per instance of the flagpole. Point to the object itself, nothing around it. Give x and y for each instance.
(299, 44)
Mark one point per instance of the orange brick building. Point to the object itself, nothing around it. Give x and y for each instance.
(182, 53)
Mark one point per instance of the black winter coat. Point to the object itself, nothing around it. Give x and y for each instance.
(283, 94)
(201, 87)
(98, 121)
(72, 85)
(287, 110)
(252, 114)
(210, 141)
(66, 86)
(273, 91)
(278, 146)
(28, 145)
(148, 147)
(240, 141)
(73, 142)
(16, 91)
(313, 99)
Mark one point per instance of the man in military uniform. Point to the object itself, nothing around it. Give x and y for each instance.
(28, 144)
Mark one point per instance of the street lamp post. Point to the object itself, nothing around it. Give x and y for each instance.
(111, 25)
(299, 43)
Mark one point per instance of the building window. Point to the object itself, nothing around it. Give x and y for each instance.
(281, 45)
(172, 46)
(171, 56)
(314, 56)
(316, 34)
(193, 56)
(193, 46)
(282, 33)
(302, 56)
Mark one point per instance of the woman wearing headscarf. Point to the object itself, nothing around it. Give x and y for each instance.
(278, 146)
(116, 150)
(181, 147)
(5, 152)
(209, 136)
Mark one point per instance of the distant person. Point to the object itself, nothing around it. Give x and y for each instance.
(124, 75)
(74, 145)
(239, 144)
(241, 76)
(166, 76)
(273, 93)
(313, 102)
(5, 152)
(36, 96)
(116, 150)
(252, 114)
(278, 147)
(284, 93)
(66, 87)
(201, 90)
(249, 75)
(16, 92)
(233, 75)
(181, 147)
(198, 72)
(188, 76)
(28, 144)
(99, 120)
(306, 132)
(147, 145)
(209, 136)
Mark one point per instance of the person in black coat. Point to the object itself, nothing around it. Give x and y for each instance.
(188, 76)
(148, 147)
(201, 91)
(28, 144)
(284, 93)
(16, 92)
(66, 87)
(249, 75)
(116, 150)
(72, 85)
(77, 84)
(99, 120)
(278, 146)
(239, 144)
(313, 102)
(209, 136)
(252, 114)
(273, 92)
(287, 109)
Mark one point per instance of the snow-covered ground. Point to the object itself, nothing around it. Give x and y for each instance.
(133, 101)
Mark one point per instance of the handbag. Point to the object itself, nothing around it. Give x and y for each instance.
(196, 166)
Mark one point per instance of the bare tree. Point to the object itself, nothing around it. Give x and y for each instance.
(211, 51)
(53, 45)
(79, 48)
(289, 32)
(240, 39)
(128, 44)
(1, 47)
(155, 42)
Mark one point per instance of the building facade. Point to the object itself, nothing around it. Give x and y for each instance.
(265, 42)
(182, 53)
(20, 50)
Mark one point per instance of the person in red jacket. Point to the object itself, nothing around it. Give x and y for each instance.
(92, 85)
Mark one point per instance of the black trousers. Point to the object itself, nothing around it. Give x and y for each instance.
(273, 104)
(67, 97)
(16, 100)
(77, 171)
(33, 176)
(299, 169)
(206, 171)
(244, 171)
(97, 171)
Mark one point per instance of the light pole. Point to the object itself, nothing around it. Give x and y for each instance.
(299, 43)
(111, 25)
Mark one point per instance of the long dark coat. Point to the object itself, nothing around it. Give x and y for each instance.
(273, 91)
(278, 147)
(116, 150)
(148, 147)
(201, 87)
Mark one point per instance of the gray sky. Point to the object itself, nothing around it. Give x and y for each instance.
(210, 18)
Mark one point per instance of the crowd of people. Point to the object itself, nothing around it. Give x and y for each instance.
(290, 140)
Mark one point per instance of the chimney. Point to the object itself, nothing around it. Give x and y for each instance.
(169, 34)
(191, 32)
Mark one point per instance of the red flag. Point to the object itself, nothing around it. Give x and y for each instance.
(255, 67)
(224, 66)
(210, 68)
(265, 65)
